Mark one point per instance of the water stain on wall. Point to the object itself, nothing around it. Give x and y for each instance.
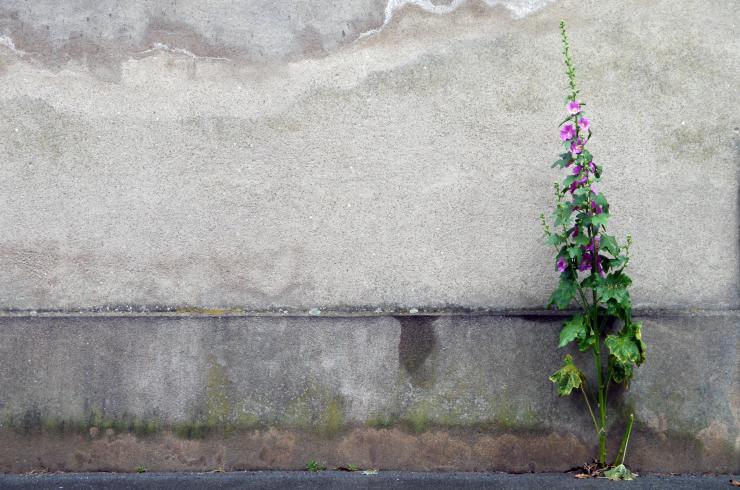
(416, 344)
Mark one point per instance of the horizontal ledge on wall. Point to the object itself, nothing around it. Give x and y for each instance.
(199, 312)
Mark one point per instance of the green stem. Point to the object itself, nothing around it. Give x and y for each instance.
(625, 440)
(590, 410)
(597, 357)
(602, 402)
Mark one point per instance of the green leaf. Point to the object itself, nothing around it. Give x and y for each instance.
(618, 262)
(609, 243)
(574, 328)
(623, 348)
(614, 287)
(555, 239)
(587, 342)
(581, 239)
(599, 219)
(562, 161)
(562, 214)
(566, 290)
(580, 196)
(635, 330)
(592, 282)
(620, 472)
(569, 180)
(568, 377)
(601, 200)
(623, 312)
(575, 251)
(621, 373)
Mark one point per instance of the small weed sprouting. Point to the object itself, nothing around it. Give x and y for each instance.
(140, 469)
(314, 466)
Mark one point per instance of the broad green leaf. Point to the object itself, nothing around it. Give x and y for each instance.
(620, 472)
(569, 180)
(601, 201)
(617, 262)
(568, 377)
(566, 290)
(614, 286)
(580, 195)
(584, 218)
(623, 312)
(587, 342)
(562, 214)
(609, 243)
(592, 282)
(623, 348)
(581, 239)
(599, 219)
(575, 251)
(555, 239)
(561, 162)
(574, 328)
(621, 373)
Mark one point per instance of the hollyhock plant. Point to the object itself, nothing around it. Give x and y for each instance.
(567, 132)
(592, 266)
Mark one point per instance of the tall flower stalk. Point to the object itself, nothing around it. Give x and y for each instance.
(591, 264)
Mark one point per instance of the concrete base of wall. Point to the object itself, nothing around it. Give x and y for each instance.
(449, 392)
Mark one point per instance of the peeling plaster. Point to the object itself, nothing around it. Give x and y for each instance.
(518, 9)
(163, 48)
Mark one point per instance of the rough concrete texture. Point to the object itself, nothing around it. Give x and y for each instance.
(354, 154)
(421, 393)
(333, 480)
(345, 157)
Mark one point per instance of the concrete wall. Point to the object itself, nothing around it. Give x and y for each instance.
(373, 162)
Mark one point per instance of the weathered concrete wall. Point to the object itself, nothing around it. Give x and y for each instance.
(405, 168)
(364, 157)
(392, 392)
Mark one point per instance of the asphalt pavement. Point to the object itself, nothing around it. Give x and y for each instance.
(329, 480)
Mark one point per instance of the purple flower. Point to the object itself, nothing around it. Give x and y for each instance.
(562, 264)
(576, 146)
(596, 239)
(577, 170)
(598, 266)
(574, 107)
(596, 209)
(585, 264)
(574, 232)
(567, 132)
(584, 123)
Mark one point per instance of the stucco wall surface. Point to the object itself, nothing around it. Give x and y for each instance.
(249, 234)
(298, 154)
(405, 392)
